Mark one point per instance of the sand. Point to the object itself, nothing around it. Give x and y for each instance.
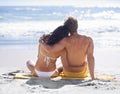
(107, 61)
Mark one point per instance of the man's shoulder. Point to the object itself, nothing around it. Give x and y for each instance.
(87, 37)
(64, 40)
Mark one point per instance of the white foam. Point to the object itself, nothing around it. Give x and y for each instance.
(105, 33)
(18, 28)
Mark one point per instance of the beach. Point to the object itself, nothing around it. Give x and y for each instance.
(21, 28)
(13, 58)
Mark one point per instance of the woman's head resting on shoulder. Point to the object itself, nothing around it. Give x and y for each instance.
(58, 34)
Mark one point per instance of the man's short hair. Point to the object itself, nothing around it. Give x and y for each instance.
(72, 24)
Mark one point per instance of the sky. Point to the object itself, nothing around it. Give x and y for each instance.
(107, 3)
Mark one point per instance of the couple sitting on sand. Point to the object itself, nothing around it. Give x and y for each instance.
(76, 52)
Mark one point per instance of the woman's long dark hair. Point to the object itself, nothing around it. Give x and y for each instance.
(58, 34)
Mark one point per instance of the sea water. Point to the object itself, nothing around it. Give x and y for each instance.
(23, 25)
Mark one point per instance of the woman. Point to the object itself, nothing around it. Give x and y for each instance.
(46, 65)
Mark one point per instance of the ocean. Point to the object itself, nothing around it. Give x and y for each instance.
(23, 25)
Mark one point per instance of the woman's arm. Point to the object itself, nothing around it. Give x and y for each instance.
(52, 49)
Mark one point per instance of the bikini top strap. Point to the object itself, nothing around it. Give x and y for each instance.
(47, 59)
(47, 56)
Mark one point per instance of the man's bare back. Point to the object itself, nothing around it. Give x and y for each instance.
(76, 49)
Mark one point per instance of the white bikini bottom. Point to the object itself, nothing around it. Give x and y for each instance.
(44, 74)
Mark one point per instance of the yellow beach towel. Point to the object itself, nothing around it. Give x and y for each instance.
(82, 74)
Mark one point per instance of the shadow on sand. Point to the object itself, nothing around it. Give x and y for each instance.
(59, 83)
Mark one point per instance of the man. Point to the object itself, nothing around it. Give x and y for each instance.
(77, 50)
